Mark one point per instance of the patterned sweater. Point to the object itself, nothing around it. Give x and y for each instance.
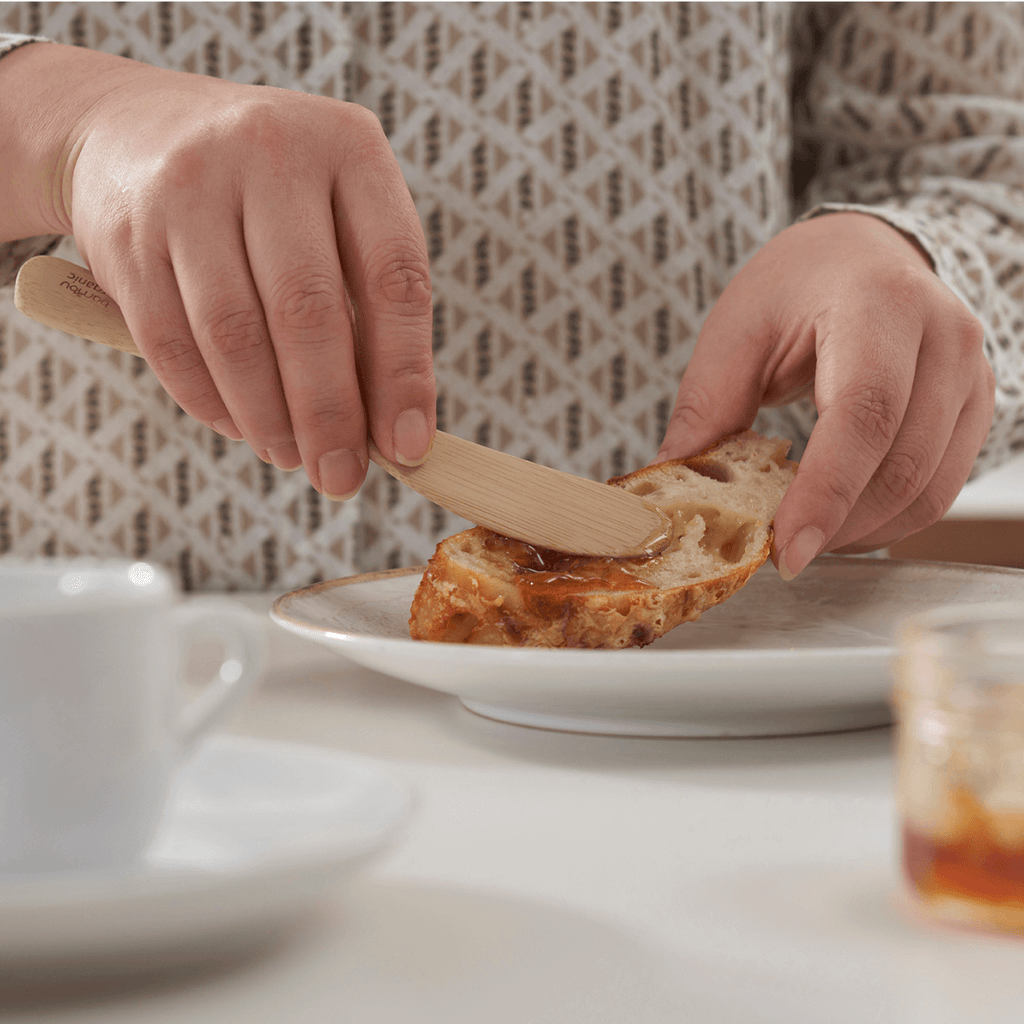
(589, 178)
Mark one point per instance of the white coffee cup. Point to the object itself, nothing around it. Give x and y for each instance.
(92, 723)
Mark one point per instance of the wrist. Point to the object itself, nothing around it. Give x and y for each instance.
(878, 229)
(48, 91)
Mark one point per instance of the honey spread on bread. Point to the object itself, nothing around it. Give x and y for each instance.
(481, 587)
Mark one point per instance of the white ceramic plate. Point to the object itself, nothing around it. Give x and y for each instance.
(777, 658)
(254, 835)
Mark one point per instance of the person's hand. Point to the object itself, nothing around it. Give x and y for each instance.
(848, 307)
(266, 254)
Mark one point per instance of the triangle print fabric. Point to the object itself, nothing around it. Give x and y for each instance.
(589, 177)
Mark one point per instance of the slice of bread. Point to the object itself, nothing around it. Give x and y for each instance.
(483, 588)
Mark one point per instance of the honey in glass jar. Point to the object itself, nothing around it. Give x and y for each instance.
(959, 702)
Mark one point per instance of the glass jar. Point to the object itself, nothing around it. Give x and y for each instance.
(959, 704)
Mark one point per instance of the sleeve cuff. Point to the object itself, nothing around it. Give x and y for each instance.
(9, 42)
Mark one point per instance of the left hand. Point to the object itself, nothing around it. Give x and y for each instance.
(848, 308)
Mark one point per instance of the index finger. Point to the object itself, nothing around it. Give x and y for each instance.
(384, 257)
(722, 385)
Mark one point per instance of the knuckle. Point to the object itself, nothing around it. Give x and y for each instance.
(401, 282)
(931, 506)
(180, 367)
(988, 384)
(120, 229)
(905, 281)
(237, 334)
(415, 376)
(188, 156)
(177, 361)
(962, 333)
(873, 414)
(973, 332)
(408, 368)
(901, 477)
(334, 417)
(838, 491)
(694, 408)
(308, 300)
(260, 122)
(900, 290)
(364, 134)
(967, 345)
(967, 328)
(412, 390)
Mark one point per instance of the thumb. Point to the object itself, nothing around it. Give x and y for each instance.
(722, 387)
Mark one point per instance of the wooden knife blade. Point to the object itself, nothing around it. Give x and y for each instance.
(537, 504)
(520, 499)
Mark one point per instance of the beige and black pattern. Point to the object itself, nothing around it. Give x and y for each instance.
(916, 113)
(589, 177)
(94, 457)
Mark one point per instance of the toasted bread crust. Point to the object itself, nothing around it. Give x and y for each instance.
(482, 588)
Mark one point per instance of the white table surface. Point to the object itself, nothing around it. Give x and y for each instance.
(549, 877)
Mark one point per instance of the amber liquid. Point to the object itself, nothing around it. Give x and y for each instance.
(549, 582)
(978, 860)
(541, 568)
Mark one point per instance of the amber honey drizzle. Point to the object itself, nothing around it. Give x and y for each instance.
(559, 574)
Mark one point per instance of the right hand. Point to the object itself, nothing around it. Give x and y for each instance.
(268, 259)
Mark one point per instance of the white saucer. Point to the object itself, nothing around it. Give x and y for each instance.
(254, 836)
(808, 656)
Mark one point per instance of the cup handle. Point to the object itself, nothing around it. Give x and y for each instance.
(237, 629)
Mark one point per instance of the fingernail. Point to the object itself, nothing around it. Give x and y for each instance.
(341, 473)
(799, 552)
(285, 456)
(411, 437)
(227, 427)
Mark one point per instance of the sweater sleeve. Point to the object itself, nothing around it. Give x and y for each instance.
(915, 113)
(13, 254)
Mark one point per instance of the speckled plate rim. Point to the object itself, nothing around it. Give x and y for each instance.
(281, 613)
(470, 652)
(815, 684)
